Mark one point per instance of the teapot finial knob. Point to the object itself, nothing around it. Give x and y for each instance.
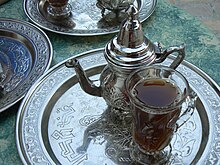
(132, 12)
(131, 34)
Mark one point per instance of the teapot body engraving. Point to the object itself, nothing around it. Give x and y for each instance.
(113, 89)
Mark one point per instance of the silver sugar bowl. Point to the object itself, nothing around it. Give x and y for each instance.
(126, 52)
(115, 6)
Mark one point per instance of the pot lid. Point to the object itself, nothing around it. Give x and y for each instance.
(130, 48)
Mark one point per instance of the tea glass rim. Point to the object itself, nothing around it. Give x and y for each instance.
(158, 109)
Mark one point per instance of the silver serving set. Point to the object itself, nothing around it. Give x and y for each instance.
(128, 51)
(78, 112)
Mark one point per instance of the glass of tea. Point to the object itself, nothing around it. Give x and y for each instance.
(161, 101)
(59, 9)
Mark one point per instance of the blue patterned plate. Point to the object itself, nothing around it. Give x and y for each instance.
(25, 54)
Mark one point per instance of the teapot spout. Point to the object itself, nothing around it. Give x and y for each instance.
(86, 84)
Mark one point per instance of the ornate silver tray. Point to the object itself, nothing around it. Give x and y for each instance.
(86, 16)
(25, 54)
(56, 117)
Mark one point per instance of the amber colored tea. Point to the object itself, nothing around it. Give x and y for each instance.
(153, 128)
(156, 92)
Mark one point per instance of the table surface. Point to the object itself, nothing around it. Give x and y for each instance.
(206, 11)
(168, 24)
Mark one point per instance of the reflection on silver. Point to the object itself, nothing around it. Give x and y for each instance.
(25, 54)
(85, 19)
(58, 122)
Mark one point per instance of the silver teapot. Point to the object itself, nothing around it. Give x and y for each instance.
(126, 52)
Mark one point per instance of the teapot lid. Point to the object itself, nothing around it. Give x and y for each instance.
(130, 48)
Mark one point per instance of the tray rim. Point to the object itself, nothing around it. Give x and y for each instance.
(43, 34)
(80, 34)
(200, 72)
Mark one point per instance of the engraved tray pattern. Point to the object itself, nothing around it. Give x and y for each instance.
(86, 16)
(17, 39)
(56, 113)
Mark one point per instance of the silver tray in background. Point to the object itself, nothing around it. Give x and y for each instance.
(85, 15)
(56, 113)
(25, 54)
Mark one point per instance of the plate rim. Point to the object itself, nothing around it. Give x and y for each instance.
(50, 49)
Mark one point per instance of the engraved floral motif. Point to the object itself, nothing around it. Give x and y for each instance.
(31, 118)
(183, 142)
(212, 159)
(67, 114)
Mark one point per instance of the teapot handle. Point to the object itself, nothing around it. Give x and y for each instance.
(161, 56)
